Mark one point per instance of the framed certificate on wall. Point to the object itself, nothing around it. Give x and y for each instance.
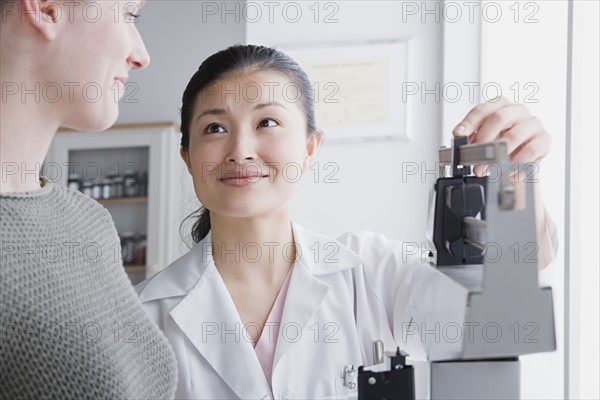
(358, 87)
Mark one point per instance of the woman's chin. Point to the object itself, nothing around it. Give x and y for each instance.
(240, 212)
(94, 121)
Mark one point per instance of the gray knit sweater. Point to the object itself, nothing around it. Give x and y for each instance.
(71, 325)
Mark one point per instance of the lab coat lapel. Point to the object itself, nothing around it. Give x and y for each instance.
(305, 295)
(209, 319)
(306, 292)
(206, 310)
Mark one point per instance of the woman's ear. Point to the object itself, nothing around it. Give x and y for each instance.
(43, 15)
(186, 158)
(312, 148)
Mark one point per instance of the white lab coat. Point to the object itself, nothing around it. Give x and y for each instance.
(352, 291)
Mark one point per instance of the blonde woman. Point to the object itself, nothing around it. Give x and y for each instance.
(71, 324)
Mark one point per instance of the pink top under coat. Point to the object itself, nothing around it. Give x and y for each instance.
(265, 347)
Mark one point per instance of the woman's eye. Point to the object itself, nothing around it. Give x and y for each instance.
(214, 128)
(133, 17)
(267, 123)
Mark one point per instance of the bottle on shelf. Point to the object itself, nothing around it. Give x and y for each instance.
(97, 190)
(107, 191)
(74, 183)
(117, 185)
(87, 189)
(131, 186)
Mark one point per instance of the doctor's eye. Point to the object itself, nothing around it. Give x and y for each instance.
(265, 123)
(214, 128)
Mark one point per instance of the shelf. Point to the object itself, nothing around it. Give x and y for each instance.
(135, 268)
(123, 200)
(146, 150)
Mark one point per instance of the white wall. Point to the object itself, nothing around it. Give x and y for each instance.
(516, 52)
(178, 40)
(584, 301)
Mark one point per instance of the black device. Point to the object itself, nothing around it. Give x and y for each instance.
(395, 384)
(456, 197)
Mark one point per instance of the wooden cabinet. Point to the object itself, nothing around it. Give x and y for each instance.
(136, 173)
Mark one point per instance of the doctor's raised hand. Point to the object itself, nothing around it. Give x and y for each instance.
(527, 142)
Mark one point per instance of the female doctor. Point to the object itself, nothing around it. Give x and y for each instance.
(262, 307)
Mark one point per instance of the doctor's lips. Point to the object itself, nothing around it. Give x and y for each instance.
(242, 179)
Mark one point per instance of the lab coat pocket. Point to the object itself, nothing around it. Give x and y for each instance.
(343, 392)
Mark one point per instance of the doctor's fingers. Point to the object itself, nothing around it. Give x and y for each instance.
(527, 141)
(476, 117)
(532, 151)
(524, 132)
(500, 121)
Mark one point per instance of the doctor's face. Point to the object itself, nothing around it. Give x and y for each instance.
(248, 144)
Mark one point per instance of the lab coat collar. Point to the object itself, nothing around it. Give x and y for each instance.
(320, 254)
(208, 317)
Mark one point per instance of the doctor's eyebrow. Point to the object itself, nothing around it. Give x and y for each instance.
(271, 103)
(211, 111)
(221, 111)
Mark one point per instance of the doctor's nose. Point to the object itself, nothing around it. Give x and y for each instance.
(242, 148)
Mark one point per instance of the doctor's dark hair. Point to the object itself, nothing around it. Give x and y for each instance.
(240, 59)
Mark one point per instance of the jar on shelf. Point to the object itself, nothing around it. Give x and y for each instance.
(106, 189)
(117, 186)
(131, 186)
(97, 190)
(87, 189)
(73, 182)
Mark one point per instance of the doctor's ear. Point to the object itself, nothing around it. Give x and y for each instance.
(185, 156)
(312, 147)
(43, 15)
